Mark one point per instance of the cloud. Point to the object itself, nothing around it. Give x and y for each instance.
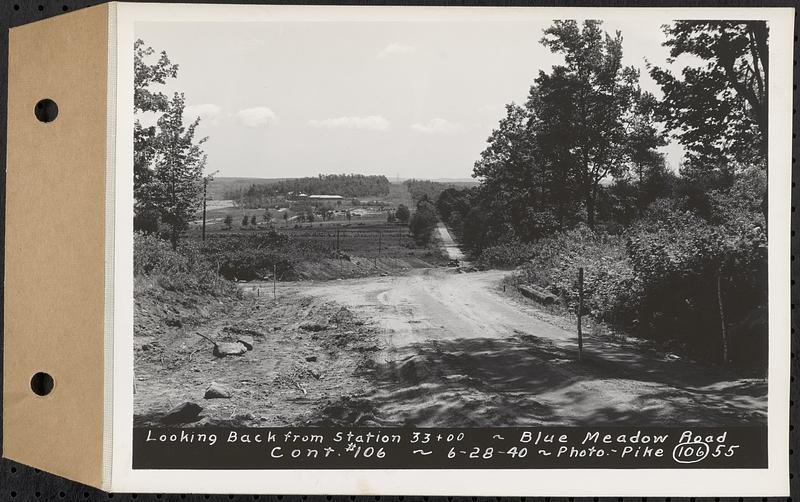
(395, 49)
(438, 126)
(209, 113)
(371, 123)
(260, 116)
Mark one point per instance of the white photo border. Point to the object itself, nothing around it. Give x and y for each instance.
(773, 481)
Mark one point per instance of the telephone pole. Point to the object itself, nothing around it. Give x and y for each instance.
(205, 187)
(205, 190)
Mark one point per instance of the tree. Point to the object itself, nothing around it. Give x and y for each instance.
(253, 221)
(719, 109)
(422, 223)
(507, 168)
(146, 99)
(390, 217)
(245, 220)
(402, 214)
(177, 180)
(285, 216)
(602, 91)
(228, 222)
(267, 216)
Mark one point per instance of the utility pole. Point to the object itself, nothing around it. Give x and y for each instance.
(205, 190)
(580, 312)
(274, 280)
(205, 187)
(338, 252)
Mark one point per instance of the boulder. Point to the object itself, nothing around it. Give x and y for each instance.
(174, 322)
(222, 349)
(311, 359)
(313, 327)
(184, 413)
(247, 341)
(217, 391)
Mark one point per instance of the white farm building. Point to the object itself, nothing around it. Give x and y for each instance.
(325, 197)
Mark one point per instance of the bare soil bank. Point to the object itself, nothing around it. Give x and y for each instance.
(305, 354)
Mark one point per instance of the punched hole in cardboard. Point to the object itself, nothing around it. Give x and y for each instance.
(46, 110)
(42, 383)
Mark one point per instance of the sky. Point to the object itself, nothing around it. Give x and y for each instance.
(403, 99)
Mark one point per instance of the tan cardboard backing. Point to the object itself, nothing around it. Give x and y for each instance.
(54, 244)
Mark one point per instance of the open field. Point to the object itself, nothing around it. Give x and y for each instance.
(355, 239)
(283, 212)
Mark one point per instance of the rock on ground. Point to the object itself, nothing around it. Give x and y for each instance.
(247, 341)
(222, 349)
(184, 413)
(217, 391)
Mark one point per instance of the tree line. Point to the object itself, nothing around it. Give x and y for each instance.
(346, 185)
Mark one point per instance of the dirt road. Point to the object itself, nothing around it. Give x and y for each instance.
(449, 245)
(457, 351)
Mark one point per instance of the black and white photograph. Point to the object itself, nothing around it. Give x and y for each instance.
(472, 224)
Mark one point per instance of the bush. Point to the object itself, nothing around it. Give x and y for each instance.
(610, 287)
(507, 255)
(255, 255)
(184, 269)
(687, 266)
(665, 278)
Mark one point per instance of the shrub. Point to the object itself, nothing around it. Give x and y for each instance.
(688, 265)
(507, 255)
(256, 255)
(184, 269)
(610, 287)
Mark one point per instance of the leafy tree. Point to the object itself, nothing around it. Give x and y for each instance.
(147, 76)
(402, 213)
(245, 220)
(422, 223)
(507, 168)
(253, 221)
(717, 109)
(602, 92)
(267, 215)
(228, 221)
(475, 229)
(177, 180)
